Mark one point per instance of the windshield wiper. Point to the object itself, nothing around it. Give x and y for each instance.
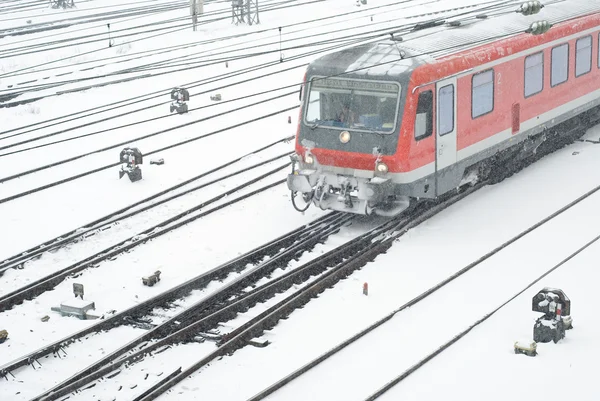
(317, 123)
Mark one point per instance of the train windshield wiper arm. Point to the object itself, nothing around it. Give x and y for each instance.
(317, 123)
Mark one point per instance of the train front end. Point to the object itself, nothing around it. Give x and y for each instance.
(347, 141)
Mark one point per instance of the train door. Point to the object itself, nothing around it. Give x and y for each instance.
(445, 141)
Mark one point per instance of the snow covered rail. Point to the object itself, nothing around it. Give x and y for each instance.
(336, 264)
(213, 309)
(138, 311)
(44, 284)
(292, 376)
(463, 333)
(95, 170)
(18, 261)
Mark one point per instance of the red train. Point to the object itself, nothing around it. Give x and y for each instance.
(387, 123)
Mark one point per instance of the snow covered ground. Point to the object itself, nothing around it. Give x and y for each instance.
(481, 222)
(480, 365)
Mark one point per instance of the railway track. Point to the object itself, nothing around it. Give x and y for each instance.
(218, 307)
(39, 286)
(388, 386)
(357, 254)
(241, 336)
(330, 268)
(284, 248)
(368, 33)
(95, 170)
(325, 269)
(104, 223)
(408, 310)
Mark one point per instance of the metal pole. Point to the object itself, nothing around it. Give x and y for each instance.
(109, 40)
(249, 13)
(193, 12)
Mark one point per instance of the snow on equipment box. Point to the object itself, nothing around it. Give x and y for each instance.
(77, 308)
(528, 348)
(152, 279)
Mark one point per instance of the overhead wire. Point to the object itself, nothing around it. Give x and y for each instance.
(120, 44)
(473, 43)
(187, 85)
(45, 86)
(155, 118)
(176, 47)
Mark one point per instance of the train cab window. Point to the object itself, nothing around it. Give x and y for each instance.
(583, 56)
(534, 74)
(559, 60)
(424, 118)
(316, 102)
(482, 96)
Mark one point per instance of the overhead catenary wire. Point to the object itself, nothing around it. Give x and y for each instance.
(179, 28)
(25, 50)
(474, 43)
(246, 34)
(480, 41)
(45, 136)
(95, 50)
(30, 125)
(154, 75)
(75, 138)
(60, 141)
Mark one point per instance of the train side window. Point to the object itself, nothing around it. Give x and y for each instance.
(599, 50)
(424, 117)
(482, 96)
(583, 56)
(559, 71)
(534, 74)
(446, 109)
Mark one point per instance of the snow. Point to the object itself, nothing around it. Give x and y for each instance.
(493, 215)
(480, 365)
(76, 303)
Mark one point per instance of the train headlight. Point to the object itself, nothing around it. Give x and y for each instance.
(345, 137)
(381, 168)
(308, 159)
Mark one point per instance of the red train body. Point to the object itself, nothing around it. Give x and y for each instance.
(441, 106)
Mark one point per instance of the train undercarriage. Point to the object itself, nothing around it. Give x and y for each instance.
(330, 191)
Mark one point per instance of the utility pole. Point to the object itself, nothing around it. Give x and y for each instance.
(196, 9)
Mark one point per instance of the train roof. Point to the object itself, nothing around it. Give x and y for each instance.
(425, 44)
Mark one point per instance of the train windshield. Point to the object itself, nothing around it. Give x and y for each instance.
(360, 105)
